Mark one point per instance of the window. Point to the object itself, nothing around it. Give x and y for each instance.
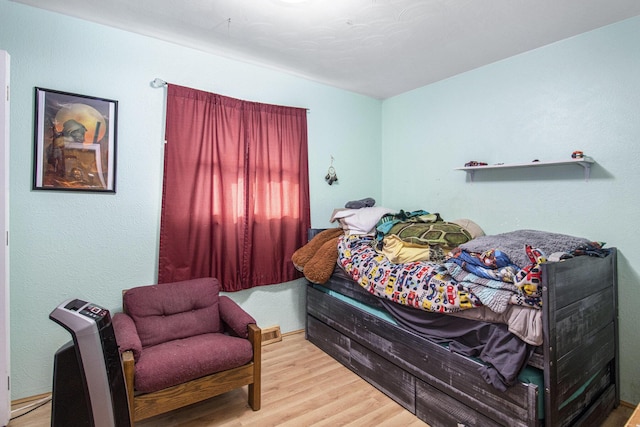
(235, 191)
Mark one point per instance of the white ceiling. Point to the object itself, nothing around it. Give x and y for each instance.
(378, 48)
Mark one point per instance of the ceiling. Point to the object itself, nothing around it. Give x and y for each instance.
(378, 48)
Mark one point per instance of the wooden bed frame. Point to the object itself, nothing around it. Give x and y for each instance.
(579, 357)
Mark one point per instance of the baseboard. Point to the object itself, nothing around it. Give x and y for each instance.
(30, 399)
(627, 404)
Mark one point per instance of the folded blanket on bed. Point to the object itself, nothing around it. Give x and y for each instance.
(495, 294)
(400, 252)
(523, 322)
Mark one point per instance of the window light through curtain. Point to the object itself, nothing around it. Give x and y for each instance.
(235, 202)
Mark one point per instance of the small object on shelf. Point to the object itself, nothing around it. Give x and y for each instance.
(474, 163)
(577, 154)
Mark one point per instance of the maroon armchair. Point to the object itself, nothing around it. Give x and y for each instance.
(182, 343)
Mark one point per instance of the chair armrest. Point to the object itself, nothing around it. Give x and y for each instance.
(235, 317)
(126, 334)
(128, 367)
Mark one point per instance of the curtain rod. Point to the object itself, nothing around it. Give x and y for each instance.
(158, 83)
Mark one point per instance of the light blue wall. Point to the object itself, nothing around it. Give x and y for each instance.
(580, 94)
(583, 93)
(91, 246)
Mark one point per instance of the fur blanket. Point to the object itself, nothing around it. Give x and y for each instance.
(513, 244)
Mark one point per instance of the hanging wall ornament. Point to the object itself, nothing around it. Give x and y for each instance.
(331, 176)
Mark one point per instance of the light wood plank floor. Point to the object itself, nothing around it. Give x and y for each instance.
(302, 386)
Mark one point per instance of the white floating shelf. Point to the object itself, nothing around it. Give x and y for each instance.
(585, 162)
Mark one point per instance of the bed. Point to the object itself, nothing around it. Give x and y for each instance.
(572, 378)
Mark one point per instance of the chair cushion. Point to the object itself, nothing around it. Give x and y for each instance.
(175, 310)
(175, 362)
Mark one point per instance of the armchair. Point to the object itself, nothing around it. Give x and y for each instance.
(182, 343)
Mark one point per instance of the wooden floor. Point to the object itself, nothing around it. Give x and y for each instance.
(302, 386)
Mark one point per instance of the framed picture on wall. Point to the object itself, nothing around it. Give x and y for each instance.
(75, 142)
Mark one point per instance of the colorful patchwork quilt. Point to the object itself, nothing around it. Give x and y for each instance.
(437, 287)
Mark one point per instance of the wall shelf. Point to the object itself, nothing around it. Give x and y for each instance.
(585, 162)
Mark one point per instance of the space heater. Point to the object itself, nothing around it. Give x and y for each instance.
(88, 381)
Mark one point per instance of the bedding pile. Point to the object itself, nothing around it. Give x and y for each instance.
(401, 260)
(450, 282)
(427, 285)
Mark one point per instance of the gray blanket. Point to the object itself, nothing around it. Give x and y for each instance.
(513, 244)
(503, 353)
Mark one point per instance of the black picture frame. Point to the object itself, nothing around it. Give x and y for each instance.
(75, 142)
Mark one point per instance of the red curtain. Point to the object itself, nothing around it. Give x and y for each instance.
(235, 202)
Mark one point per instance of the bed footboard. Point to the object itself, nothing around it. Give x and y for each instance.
(580, 320)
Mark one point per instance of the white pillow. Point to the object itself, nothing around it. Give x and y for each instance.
(359, 221)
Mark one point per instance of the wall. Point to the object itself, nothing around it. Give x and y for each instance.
(582, 93)
(579, 94)
(91, 245)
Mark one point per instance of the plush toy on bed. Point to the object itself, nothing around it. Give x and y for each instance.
(317, 259)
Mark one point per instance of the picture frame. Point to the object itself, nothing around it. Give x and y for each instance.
(75, 142)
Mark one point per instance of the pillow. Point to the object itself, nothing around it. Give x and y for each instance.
(359, 221)
(442, 233)
(473, 228)
(171, 311)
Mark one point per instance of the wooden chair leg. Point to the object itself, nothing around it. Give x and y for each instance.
(128, 365)
(255, 336)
